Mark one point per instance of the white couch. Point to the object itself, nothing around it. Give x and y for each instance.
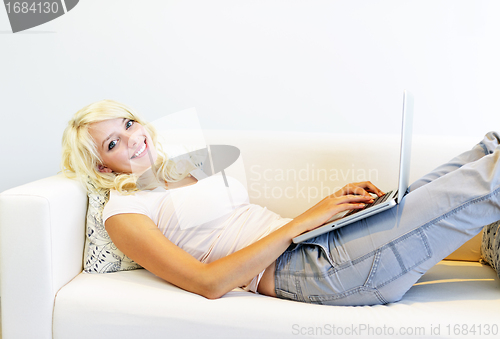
(44, 293)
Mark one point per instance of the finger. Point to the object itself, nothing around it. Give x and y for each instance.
(349, 206)
(346, 199)
(369, 187)
(357, 189)
(372, 188)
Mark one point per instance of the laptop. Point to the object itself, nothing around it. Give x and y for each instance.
(391, 198)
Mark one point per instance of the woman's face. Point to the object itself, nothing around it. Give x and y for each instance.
(124, 146)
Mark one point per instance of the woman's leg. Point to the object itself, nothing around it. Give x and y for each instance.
(378, 259)
(486, 146)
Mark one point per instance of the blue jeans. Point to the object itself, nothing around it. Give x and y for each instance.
(376, 260)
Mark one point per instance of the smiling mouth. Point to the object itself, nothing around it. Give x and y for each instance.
(139, 152)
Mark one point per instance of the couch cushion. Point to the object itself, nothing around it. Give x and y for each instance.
(469, 251)
(137, 304)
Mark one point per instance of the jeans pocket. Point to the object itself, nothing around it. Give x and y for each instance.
(398, 257)
(317, 248)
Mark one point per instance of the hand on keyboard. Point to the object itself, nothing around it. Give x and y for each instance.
(376, 201)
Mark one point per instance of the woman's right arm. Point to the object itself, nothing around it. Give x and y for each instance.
(140, 239)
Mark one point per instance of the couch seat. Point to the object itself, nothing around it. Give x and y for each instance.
(137, 304)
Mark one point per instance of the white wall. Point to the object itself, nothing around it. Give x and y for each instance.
(327, 66)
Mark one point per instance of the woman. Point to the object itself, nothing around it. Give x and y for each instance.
(373, 261)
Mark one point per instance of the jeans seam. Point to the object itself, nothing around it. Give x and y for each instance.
(380, 297)
(461, 207)
(376, 260)
(298, 289)
(398, 257)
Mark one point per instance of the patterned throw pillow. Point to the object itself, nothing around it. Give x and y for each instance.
(490, 246)
(101, 255)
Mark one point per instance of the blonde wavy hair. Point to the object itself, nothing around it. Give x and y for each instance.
(80, 159)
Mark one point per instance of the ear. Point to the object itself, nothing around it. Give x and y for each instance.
(104, 169)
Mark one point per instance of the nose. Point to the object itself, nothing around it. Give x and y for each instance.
(133, 139)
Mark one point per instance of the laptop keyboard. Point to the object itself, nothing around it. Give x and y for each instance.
(378, 200)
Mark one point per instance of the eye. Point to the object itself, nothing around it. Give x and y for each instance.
(129, 124)
(111, 145)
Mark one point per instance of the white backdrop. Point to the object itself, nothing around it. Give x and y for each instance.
(308, 65)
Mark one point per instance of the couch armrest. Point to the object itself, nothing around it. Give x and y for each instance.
(42, 235)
